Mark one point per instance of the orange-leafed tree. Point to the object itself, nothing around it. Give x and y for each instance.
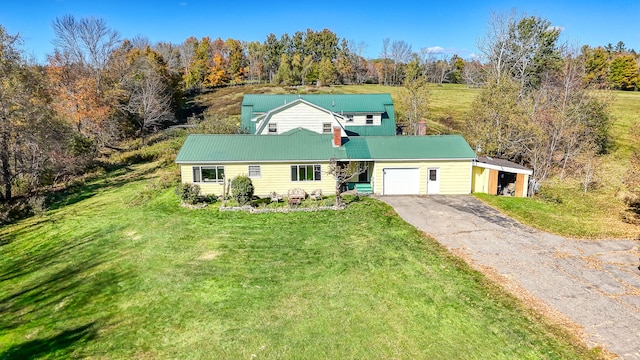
(217, 74)
(76, 98)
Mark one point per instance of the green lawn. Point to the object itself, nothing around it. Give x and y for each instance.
(117, 269)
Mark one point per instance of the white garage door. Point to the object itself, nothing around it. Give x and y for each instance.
(401, 181)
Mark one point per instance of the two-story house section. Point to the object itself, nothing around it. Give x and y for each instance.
(355, 114)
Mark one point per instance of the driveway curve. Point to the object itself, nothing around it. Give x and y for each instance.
(594, 284)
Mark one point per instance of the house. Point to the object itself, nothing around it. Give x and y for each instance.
(499, 177)
(356, 114)
(291, 141)
(300, 158)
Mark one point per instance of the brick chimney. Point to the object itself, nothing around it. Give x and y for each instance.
(422, 127)
(337, 136)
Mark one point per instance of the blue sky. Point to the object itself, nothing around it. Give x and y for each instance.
(454, 26)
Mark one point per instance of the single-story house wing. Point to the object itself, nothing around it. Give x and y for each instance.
(300, 158)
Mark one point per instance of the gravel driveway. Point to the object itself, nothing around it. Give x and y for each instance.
(594, 284)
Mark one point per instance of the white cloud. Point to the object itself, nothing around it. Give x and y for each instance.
(435, 50)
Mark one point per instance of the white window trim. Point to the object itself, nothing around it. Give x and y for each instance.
(275, 128)
(314, 172)
(366, 120)
(254, 176)
(202, 181)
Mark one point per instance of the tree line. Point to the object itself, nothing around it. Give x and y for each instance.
(98, 89)
(537, 106)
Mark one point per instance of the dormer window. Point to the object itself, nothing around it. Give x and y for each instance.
(326, 128)
(369, 119)
(273, 128)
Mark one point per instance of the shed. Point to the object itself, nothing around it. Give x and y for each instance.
(499, 177)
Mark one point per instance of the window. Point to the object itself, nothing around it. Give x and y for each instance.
(326, 128)
(306, 173)
(349, 118)
(208, 174)
(369, 119)
(273, 128)
(433, 175)
(254, 171)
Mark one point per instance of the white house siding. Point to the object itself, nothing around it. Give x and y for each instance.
(454, 174)
(299, 116)
(274, 177)
(360, 119)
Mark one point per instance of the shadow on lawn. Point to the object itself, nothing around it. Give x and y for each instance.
(58, 345)
(60, 293)
(120, 175)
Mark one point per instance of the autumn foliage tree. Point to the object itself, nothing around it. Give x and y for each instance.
(30, 134)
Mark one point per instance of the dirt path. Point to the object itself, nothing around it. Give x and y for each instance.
(594, 284)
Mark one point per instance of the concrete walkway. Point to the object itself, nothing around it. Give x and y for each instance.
(595, 284)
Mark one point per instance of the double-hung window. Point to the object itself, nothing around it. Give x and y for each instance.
(326, 128)
(306, 173)
(273, 128)
(213, 173)
(369, 119)
(254, 171)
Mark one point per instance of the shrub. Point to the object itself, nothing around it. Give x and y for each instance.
(242, 189)
(188, 193)
(37, 205)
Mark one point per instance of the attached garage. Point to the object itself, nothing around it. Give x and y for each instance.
(401, 181)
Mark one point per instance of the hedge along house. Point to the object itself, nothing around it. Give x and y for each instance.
(500, 177)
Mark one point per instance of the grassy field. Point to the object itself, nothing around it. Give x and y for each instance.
(562, 206)
(117, 269)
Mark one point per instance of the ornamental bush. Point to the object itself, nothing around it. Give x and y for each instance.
(188, 193)
(242, 189)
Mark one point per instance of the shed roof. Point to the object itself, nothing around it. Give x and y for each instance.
(305, 145)
(501, 164)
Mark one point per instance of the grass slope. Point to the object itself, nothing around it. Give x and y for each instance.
(118, 269)
(562, 207)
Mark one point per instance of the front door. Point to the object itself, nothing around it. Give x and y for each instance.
(433, 181)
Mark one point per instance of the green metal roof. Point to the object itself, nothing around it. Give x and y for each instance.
(305, 145)
(295, 145)
(419, 147)
(255, 104)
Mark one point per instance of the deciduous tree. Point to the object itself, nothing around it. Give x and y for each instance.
(414, 98)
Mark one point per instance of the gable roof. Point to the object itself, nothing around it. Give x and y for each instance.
(305, 145)
(264, 119)
(257, 104)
